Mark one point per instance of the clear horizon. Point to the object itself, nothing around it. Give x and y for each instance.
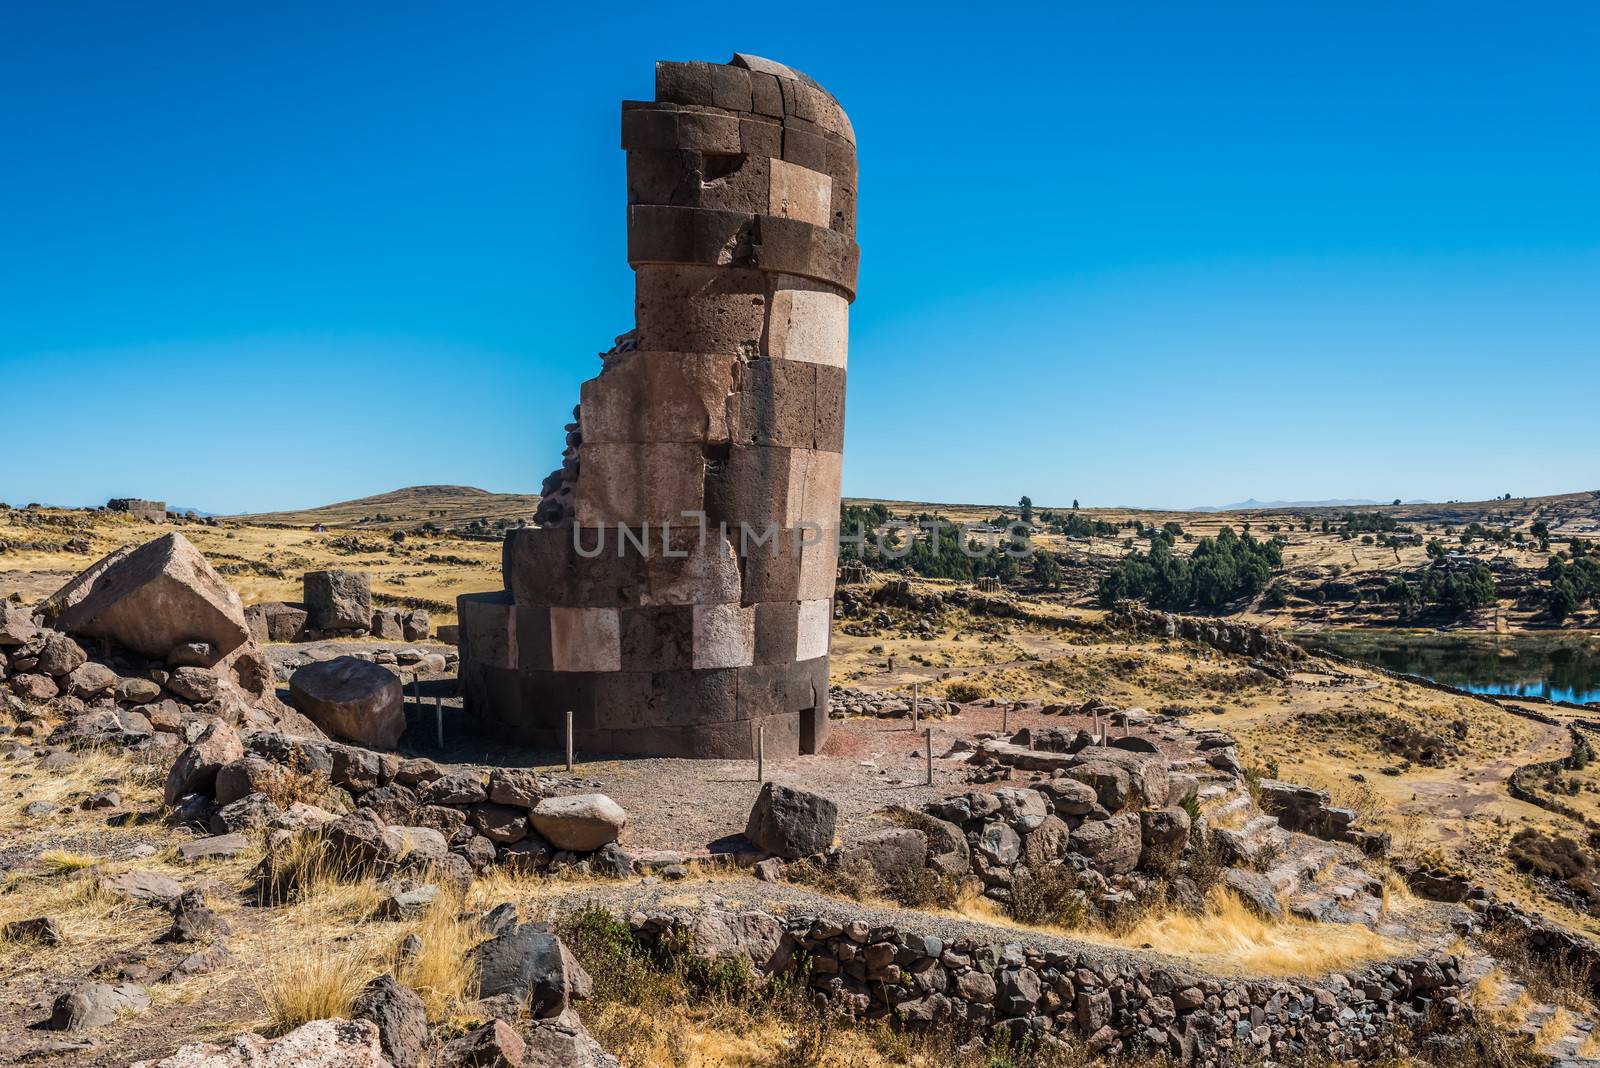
(277, 257)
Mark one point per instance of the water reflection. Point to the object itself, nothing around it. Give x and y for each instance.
(1561, 669)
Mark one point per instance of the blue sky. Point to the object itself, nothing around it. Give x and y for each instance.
(273, 255)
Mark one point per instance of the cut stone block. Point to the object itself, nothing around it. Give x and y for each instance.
(488, 632)
(819, 566)
(794, 247)
(659, 396)
(338, 600)
(585, 639)
(724, 635)
(657, 638)
(800, 193)
(774, 403)
(809, 324)
(152, 599)
(661, 233)
(665, 126)
(813, 489)
(635, 484)
(812, 629)
(700, 309)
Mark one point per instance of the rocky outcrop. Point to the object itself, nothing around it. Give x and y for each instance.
(1241, 639)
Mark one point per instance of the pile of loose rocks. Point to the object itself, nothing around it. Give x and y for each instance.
(392, 815)
(1111, 1005)
(846, 701)
(143, 648)
(337, 603)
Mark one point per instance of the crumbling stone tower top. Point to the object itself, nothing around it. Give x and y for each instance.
(725, 403)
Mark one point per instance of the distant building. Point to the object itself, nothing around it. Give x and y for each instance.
(149, 511)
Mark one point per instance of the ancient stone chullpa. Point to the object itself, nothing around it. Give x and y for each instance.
(677, 594)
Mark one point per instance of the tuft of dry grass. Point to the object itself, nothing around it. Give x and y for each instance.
(313, 982)
(64, 861)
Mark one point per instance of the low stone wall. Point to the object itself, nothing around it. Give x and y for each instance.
(1108, 1005)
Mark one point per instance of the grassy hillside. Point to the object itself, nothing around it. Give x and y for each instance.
(451, 507)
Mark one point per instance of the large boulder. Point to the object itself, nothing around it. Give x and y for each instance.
(416, 625)
(151, 599)
(1113, 846)
(791, 823)
(386, 624)
(1142, 782)
(351, 699)
(893, 854)
(582, 823)
(338, 600)
(532, 965)
(195, 770)
(318, 1044)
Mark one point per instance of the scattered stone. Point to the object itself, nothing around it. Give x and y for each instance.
(532, 964)
(791, 823)
(318, 1044)
(400, 1017)
(145, 886)
(581, 823)
(195, 770)
(494, 1045)
(218, 845)
(44, 930)
(1255, 891)
(95, 1005)
(338, 600)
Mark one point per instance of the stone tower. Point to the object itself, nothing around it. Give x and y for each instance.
(677, 593)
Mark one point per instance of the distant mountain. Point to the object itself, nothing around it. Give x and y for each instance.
(449, 506)
(1253, 504)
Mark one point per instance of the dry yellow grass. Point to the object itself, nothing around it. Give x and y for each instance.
(440, 973)
(1232, 939)
(313, 982)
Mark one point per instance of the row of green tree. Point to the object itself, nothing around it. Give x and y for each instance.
(1220, 570)
(1454, 590)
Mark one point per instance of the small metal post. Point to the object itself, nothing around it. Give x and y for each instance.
(761, 754)
(569, 741)
(930, 756)
(438, 718)
(916, 705)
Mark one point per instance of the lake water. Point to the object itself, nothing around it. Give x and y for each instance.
(1561, 668)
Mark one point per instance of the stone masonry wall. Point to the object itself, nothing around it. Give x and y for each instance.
(723, 410)
(1108, 1003)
